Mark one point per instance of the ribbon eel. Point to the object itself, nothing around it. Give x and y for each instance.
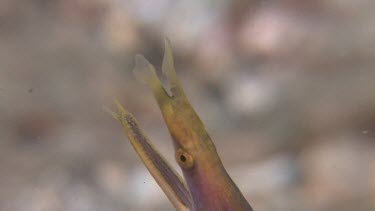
(207, 185)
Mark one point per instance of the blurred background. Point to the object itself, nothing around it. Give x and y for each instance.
(285, 88)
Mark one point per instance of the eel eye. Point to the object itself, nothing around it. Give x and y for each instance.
(184, 159)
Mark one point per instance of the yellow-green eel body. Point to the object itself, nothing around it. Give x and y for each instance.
(207, 185)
